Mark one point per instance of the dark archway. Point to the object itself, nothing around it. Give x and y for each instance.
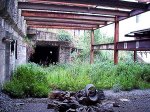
(45, 55)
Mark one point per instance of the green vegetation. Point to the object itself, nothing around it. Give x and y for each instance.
(30, 46)
(63, 35)
(31, 80)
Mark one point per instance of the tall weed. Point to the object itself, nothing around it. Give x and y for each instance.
(31, 80)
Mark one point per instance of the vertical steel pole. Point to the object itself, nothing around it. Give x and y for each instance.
(116, 39)
(92, 51)
(135, 56)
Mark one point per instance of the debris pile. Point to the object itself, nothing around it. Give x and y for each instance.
(86, 100)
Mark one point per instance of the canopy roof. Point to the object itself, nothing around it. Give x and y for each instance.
(79, 14)
(145, 33)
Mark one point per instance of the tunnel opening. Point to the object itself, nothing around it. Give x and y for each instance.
(45, 55)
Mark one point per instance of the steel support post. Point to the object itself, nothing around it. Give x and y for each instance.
(116, 39)
(135, 56)
(92, 50)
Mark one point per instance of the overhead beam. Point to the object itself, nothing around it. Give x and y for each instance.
(138, 45)
(65, 16)
(60, 27)
(60, 24)
(107, 3)
(73, 9)
(86, 22)
(134, 45)
(109, 46)
(60, 3)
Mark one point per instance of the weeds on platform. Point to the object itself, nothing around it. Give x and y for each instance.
(31, 80)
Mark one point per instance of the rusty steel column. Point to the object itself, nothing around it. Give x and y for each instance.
(116, 39)
(92, 50)
(135, 56)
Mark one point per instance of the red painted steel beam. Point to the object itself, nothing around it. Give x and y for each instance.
(60, 27)
(91, 50)
(72, 9)
(66, 16)
(109, 46)
(59, 3)
(134, 45)
(60, 24)
(106, 3)
(86, 22)
(138, 45)
(116, 39)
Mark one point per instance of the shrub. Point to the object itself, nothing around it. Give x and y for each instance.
(14, 89)
(146, 73)
(28, 80)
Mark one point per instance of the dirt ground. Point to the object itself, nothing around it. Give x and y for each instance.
(133, 101)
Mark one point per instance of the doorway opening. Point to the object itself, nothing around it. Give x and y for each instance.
(45, 55)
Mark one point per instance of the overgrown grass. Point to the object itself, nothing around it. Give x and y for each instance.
(29, 80)
(36, 81)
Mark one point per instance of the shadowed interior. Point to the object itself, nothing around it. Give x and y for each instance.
(45, 55)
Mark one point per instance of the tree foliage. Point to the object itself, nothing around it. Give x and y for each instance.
(63, 35)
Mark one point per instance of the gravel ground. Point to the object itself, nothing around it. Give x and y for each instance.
(130, 101)
(133, 101)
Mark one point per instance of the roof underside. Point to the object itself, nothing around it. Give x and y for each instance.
(145, 33)
(78, 14)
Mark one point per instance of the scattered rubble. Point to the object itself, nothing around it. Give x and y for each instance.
(138, 101)
(86, 100)
(124, 100)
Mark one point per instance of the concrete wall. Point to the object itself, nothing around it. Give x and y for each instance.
(12, 31)
(47, 36)
(64, 54)
(41, 35)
